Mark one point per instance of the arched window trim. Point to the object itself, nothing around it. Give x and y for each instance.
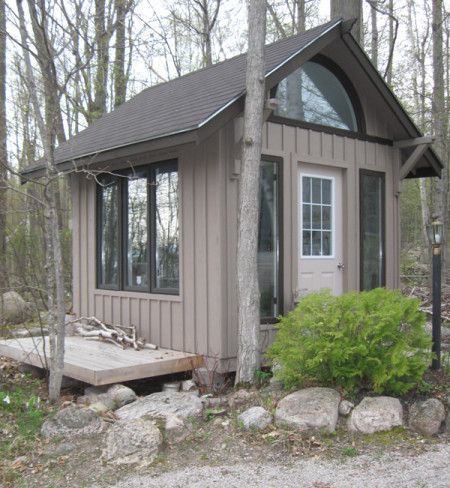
(348, 87)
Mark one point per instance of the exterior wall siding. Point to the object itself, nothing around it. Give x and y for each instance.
(297, 145)
(203, 317)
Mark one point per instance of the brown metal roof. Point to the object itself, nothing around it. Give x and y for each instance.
(179, 105)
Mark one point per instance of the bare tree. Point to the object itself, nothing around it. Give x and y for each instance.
(440, 121)
(54, 265)
(3, 154)
(374, 37)
(247, 271)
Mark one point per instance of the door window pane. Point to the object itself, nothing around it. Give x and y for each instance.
(137, 268)
(268, 244)
(372, 230)
(316, 221)
(108, 232)
(166, 229)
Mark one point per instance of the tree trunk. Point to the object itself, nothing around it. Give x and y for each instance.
(301, 16)
(247, 270)
(349, 9)
(374, 38)
(102, 48)
(440, 123)
(3, 155)
(391, 42)
(120, 80)
(54, 269)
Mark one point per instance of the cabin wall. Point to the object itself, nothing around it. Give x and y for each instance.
(295, 145)
(193, 320)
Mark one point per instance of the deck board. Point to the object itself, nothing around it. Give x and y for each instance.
(100, 363)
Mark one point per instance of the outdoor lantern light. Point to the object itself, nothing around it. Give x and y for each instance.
(435, 230)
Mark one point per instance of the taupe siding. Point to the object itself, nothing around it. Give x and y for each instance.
(193, 320)
(203, 318)
(297, 145)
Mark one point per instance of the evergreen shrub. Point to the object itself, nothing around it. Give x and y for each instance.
(373, 340)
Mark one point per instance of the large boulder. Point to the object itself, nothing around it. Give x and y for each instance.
(309, 409)
(15, 309)
(376, 414)
(132, 442)
(255, 418)
(426, 417)
(73, 422)
(162, 405)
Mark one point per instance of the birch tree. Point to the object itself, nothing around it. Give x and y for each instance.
(247, 271)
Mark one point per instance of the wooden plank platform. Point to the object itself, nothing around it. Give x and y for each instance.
(100, 363)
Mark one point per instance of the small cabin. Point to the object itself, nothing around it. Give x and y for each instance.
(155, 193)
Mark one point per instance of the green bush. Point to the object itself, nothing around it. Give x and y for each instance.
(374, 340)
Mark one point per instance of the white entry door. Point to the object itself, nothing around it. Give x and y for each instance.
(320, 213)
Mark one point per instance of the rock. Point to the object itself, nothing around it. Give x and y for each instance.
(447, 424)
(210, 379)
(34, 371)
(426, 417)
(255, 418)
(62, 449)
(73, 422)
(214, 402)
(135, 441)
(15, 309)
(239, 398)
(311, 408)
(376, 414)
(162, 405)
(176, 430)
(121, 395)
(173, 386)
(345, 407)
(100, 407)
(91, 391)
(188, 385)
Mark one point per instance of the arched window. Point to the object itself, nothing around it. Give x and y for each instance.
(315, 93)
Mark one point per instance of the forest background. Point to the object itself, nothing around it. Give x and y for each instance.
(65, 63)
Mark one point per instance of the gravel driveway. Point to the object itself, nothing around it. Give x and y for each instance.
(431, 469)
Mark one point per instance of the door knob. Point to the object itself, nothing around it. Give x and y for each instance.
(341, 266)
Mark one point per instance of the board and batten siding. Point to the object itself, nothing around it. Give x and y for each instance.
(193, 320)
(294, 146)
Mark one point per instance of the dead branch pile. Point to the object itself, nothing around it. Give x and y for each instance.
(423, 293)
(119, 335)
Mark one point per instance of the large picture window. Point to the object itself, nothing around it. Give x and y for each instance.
(138, 230)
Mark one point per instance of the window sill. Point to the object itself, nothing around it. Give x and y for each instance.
(139, 294)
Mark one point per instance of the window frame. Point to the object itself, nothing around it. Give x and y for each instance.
(333, 210)
(149, 170)
(348, 86)
(382, 175)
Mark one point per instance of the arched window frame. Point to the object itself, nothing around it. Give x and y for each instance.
(348, 87)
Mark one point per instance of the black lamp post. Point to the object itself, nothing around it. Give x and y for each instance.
(435, 230)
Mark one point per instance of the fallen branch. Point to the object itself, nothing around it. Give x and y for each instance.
(120, 335)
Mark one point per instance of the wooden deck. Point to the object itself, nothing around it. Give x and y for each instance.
(100, 363)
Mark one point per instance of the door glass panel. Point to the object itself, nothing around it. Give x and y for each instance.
(109, 232)
(167, 229)
(372, 230)
(316, 224)
(137, 268)
(268, 244)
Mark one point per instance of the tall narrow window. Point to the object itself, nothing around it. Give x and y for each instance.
(166, 238)
(108, 232)
(137, 263)
(372, 221)
(268, 241)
